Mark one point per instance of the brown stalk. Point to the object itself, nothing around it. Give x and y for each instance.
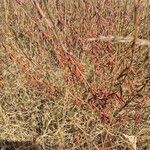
(136, 21)
(42, 14)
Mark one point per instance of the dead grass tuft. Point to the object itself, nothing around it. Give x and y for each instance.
(75, 74)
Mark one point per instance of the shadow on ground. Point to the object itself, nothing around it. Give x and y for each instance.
(18, 145)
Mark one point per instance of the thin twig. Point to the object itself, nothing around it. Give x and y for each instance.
(119, 39)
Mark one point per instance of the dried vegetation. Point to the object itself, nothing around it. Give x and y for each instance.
(64, 84)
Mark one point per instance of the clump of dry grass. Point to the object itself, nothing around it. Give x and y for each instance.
(69, 79)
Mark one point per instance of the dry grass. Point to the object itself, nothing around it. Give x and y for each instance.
(75, 74)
